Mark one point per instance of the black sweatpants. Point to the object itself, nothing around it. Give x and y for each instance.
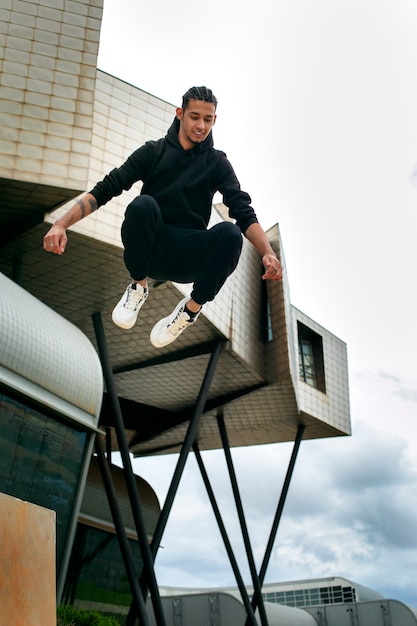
(162, 252)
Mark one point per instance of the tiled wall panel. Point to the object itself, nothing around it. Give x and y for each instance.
(333, 406)
(48, 58)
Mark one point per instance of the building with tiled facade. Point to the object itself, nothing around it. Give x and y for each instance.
(65, 124)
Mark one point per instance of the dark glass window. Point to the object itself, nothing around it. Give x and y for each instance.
(314, 595)
(337, 594)
(96, 573)
(40, 461)
(311, 360)
(325, 595)
(348, 594)
(299, 597)
(267, 334)
(289, 598)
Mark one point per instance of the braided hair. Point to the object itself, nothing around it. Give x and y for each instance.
(198, 93)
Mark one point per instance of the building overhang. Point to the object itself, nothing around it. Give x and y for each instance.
(255, 385)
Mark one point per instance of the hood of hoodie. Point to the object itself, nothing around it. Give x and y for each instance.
(172, 137)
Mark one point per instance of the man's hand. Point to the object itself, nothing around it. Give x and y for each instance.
(273, 268)
(257, 237)
(55, 239)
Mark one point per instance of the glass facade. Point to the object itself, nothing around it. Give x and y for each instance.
(302, 598)
(96, 575)
(41, 460)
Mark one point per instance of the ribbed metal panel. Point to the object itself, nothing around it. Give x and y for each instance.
(375, 613)
(223, 609)
(45, 357)
(382, 613)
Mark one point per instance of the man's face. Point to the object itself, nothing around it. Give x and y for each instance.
(196, 122)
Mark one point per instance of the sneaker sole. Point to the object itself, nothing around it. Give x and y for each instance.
(159, 326)
(155, 333)
(121, 324)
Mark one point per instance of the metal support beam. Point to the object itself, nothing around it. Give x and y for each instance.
(279, 510)
(251, 619)
(241, 515)
(128, 470)
(186, 447)
(108, 445)
(132, 576)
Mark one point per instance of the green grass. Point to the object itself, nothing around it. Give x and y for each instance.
(68, 616)
(88, 591)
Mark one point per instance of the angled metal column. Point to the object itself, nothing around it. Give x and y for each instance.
(245, 534)
(280, 508)
(185, 449)
(132, 575)
(251, 619)
(128, 470)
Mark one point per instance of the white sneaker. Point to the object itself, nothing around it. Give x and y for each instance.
(169, 328)
(125, 313)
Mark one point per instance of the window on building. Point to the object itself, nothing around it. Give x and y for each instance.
(312, 597)
(96, 573)
(324, 595)
(337, 594)
(267, 334)
(41, 461)
(311, 361)
(348, 594)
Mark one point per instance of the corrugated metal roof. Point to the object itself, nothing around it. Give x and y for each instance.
(223, 609)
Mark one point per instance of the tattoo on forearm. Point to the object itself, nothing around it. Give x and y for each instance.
(93, 205)
(83, 208)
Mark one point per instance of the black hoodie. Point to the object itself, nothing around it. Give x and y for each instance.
(183, 182)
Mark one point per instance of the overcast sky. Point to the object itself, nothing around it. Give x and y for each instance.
(317, 113)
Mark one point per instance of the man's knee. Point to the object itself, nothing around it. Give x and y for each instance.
(145, 205)
(228, 235)
(142, 222)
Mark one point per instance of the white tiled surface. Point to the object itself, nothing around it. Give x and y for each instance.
(333, 406)
(48, 58)
(124, 118)
(236, 310)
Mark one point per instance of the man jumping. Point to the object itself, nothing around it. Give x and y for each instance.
(165, 230)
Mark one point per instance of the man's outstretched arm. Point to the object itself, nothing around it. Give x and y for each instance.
(56, 238)
(257, 236)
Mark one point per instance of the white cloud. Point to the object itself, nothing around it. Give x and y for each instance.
(413, 176)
